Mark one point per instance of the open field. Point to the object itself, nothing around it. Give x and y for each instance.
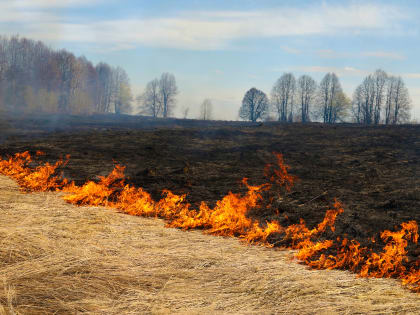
(373, 171)
(62, 259)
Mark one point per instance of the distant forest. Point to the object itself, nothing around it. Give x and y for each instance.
(36, 78)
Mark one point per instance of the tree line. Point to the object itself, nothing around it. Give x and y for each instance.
(379, 99)
(36, 78)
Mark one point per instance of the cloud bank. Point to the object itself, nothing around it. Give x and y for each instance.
(198, 30)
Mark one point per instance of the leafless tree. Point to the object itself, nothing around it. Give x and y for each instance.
(206, 110)
(3, 67)
(70, 79)
(399, 106)
(255, 105)
(121, 92)
(35, 77)
(389, 97)
(357, 104)
(185, 111)
(168, 91)
(158, 100)
(369, 98)
(380, 79)
(282, 96)
(151, 102)
(332, 101)
(104, 87)
(381, 98)
(306, 92)
(341, 106)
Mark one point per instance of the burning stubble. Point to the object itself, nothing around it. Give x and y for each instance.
(229, 217)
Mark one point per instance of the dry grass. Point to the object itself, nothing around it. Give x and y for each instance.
(57, 258)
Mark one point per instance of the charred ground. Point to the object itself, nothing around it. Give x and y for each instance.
(373, 171)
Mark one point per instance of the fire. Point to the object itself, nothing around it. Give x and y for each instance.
(278, 174)
(390, 261)
(229, 217)
(39, 179)
(96, 194)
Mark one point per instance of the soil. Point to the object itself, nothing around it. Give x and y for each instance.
(373, 170)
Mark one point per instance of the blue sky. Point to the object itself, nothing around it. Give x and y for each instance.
(219, 49)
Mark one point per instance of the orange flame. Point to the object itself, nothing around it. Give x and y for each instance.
(278, 174)
(229, 217)
(39, 179)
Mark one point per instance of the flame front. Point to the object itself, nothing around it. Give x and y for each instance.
(229, 217)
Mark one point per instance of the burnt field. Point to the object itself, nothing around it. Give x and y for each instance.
(373, 171)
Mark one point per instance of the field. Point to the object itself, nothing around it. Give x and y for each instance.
(373, 171)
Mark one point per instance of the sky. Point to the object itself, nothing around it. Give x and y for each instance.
(218, 49)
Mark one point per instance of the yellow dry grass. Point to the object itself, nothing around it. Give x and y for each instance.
(57, 258)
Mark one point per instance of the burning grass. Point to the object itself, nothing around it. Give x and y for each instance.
(229, 218)
(61, 259)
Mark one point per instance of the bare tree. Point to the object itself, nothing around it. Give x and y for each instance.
(206, 110)
(35, 77)
(282, 96)
(357, 104)
(389, 98)
(185, 111)
(400, 102)
(368, 95)
(331, 99)
(121, 91)
(3, 67)
(380, 79)
(104, 89)
(255, 105)
(369, 98)
(151, 101)
(168, 91)
(158, 100)
(306, 94)
(70, 80)
(340, 107)
(380, 98)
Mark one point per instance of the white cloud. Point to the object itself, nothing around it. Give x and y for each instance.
(10, 14)
(384, 54)
(329, 53)
(202, 30)
(30, 13)
(49, 3)
(340, 71)
(291, 50)
(411, 75)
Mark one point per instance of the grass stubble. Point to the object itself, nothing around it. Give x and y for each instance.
(61, 259)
